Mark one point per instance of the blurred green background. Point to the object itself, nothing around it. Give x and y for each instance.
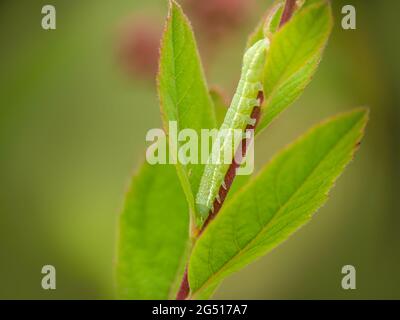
(77, 101)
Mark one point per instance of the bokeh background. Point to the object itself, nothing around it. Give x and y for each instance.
(76, 102)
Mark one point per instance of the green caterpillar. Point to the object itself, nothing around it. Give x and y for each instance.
(237, 117)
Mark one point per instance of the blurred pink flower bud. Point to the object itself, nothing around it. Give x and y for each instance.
(218, 17)
(138, 45)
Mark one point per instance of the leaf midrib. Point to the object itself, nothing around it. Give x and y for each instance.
(262, 230)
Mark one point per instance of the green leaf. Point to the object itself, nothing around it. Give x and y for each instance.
(288, 92)
(183, 91)
(268, 24)
(293, 57)
(220, 105)
(311, 2)
(153, 235)
(276, 203)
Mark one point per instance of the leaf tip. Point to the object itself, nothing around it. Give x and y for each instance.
(363, 113)
(174, 6)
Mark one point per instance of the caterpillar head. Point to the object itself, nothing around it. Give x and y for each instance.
(254, 59)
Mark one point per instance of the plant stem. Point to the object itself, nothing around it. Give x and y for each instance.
(287, 12)
(184, 287)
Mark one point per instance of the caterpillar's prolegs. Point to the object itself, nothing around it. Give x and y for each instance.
(223, 184)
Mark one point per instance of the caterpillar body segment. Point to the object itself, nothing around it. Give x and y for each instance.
(236, 119)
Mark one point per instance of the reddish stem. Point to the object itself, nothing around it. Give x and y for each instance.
(184, 287)
(287, 12)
